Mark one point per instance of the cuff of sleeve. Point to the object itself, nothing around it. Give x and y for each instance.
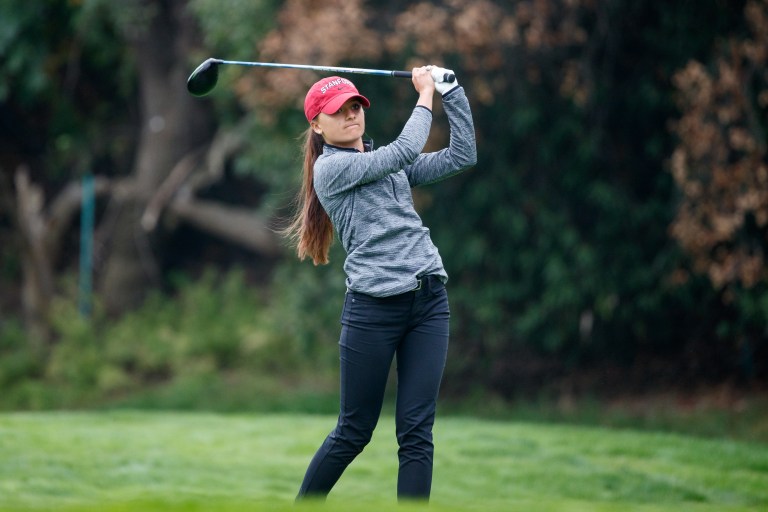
(451, 91)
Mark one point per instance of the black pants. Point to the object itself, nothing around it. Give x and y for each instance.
(414, 327)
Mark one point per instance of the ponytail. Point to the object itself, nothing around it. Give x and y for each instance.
(311, 229)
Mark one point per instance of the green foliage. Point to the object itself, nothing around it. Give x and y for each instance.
(556, 242)
(23, 26)
(19, 359)
(213, 326)
(64, 82)
(273, 159)
(232, 28)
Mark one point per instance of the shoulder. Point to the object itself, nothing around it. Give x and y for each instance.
(329, 159)
(329, 165)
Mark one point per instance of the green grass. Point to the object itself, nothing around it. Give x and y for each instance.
(130, 461)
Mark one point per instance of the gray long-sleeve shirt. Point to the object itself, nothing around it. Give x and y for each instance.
(368, 198)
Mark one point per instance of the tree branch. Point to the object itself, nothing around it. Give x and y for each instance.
(239, 225)
(183, 178)
(168, 189)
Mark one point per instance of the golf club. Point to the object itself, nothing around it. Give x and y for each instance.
(204, 78)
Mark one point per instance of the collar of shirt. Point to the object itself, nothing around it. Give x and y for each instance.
(367, 144)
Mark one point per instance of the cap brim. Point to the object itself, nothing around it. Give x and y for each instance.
(337, 101)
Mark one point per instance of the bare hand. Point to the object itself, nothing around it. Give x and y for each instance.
(424, 84)
(422, 80)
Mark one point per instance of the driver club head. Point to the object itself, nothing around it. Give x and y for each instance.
(204, 78)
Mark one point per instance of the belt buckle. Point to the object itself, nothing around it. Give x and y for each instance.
(418, 285)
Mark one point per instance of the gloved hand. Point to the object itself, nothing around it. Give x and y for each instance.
(438, 75)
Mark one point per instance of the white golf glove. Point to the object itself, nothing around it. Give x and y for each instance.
(438, 75)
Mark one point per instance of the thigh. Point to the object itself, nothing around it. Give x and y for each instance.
(371, 330)
(421, 358)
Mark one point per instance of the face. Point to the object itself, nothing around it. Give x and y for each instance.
(343, 128)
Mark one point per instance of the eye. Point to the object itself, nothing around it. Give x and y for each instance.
(353, 106)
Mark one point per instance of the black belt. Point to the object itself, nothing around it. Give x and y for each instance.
(422, 281)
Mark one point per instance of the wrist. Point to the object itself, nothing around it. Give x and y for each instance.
(450, 92)
(425, 99)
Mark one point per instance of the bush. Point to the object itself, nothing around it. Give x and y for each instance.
(189, 339)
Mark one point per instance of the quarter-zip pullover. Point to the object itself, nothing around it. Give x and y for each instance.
(368, 198)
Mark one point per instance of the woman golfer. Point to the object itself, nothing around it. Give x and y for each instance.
(396, 303)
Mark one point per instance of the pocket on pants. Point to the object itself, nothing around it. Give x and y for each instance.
(364, 310)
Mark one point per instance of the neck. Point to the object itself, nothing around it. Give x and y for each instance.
(356, 145)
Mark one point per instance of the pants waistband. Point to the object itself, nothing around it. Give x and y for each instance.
(427, 282)
(423, 281)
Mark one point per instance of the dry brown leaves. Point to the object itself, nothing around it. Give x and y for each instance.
(308, 32)
(719, 164)
(498, 42)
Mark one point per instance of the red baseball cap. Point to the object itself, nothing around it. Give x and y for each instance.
(329, 94)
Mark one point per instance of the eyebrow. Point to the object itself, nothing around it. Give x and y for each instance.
(356, 102)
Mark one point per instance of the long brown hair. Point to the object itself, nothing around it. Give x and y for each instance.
(311, 229)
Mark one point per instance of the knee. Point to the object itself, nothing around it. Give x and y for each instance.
(416, 435)
(419, 440)
(414, 424)
(354, 437)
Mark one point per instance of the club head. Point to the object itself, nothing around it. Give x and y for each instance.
(204, 78)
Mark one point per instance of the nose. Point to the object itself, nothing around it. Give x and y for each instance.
(350, 112)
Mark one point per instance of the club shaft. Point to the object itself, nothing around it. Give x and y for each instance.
(331, 69)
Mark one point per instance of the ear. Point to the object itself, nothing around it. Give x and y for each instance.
(316, 127)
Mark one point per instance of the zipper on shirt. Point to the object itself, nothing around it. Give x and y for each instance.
(394, 187)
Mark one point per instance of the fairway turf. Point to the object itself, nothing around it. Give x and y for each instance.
(126, 461)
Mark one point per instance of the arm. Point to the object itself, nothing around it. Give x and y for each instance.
(461, 152)
(344, 171)
(425, 85)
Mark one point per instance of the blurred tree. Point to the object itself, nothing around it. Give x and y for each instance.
(55, 128)
(172, 127)
(721, 162)
(106, 83)
(720, 167)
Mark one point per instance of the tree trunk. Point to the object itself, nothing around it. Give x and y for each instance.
(173, 123)
(37, 272)
(41, 232)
